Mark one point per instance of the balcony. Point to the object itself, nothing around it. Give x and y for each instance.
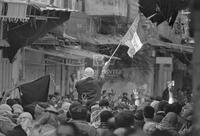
(75, 5)
(106, 7)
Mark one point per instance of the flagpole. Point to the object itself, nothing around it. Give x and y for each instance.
(151, 16)
(115, 51)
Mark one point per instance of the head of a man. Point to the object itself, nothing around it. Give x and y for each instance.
(24, 119)
(148, 112)
(78, 111)
(104, 103)
(53, 99)
(105, 116)
(88, 72)
(67, 129)
(125, 94)
(124, 119)
(17, 109)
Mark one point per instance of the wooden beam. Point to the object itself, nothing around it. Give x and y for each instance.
(43, 17)
(63, 77)
(1, 29)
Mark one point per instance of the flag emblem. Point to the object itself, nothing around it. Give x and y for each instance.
(131, 38)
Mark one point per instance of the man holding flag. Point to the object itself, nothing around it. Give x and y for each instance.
(88, 88)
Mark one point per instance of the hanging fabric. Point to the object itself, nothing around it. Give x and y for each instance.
(1, 9)
(17, 12)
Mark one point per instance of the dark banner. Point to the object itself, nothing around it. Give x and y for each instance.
(36, 91)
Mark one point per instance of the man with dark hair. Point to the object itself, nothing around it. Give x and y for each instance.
(177, 108)
(168, 108)
(78, 111)
(150, 126)
(161, 105)
(139, 119)
(104, 118)
(160, 114)
(104, 104)
(11, 102)
(79, 116)
(125, 98)
(149, 112)
(124, 120)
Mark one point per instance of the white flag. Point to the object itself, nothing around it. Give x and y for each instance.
(131, 38)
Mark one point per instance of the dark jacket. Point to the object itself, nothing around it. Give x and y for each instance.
(17, 131)
(91, 88)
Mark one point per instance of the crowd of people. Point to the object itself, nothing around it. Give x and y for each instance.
(96, 114)
(63, 116)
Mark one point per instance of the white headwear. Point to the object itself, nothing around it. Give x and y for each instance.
(65, 106)
(26, 115)
(5, 109)
(89, 72)
(17, 108)
(25, 120)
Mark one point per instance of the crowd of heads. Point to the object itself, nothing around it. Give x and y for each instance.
(65, 116)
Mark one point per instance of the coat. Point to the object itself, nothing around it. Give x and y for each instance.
(169, 123)
(91, 88)
(6, 124)
(17, 131)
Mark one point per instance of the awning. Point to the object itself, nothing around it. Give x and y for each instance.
(69, 53)
(99, 39)
(83, 53)
(42, 11)
(44, 7)
(180, 47)
(48, 39)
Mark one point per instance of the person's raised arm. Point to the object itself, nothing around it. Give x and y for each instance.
(104, 69)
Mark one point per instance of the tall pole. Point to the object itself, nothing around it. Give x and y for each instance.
(115, 51)
(196, 66)
(1, 34)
